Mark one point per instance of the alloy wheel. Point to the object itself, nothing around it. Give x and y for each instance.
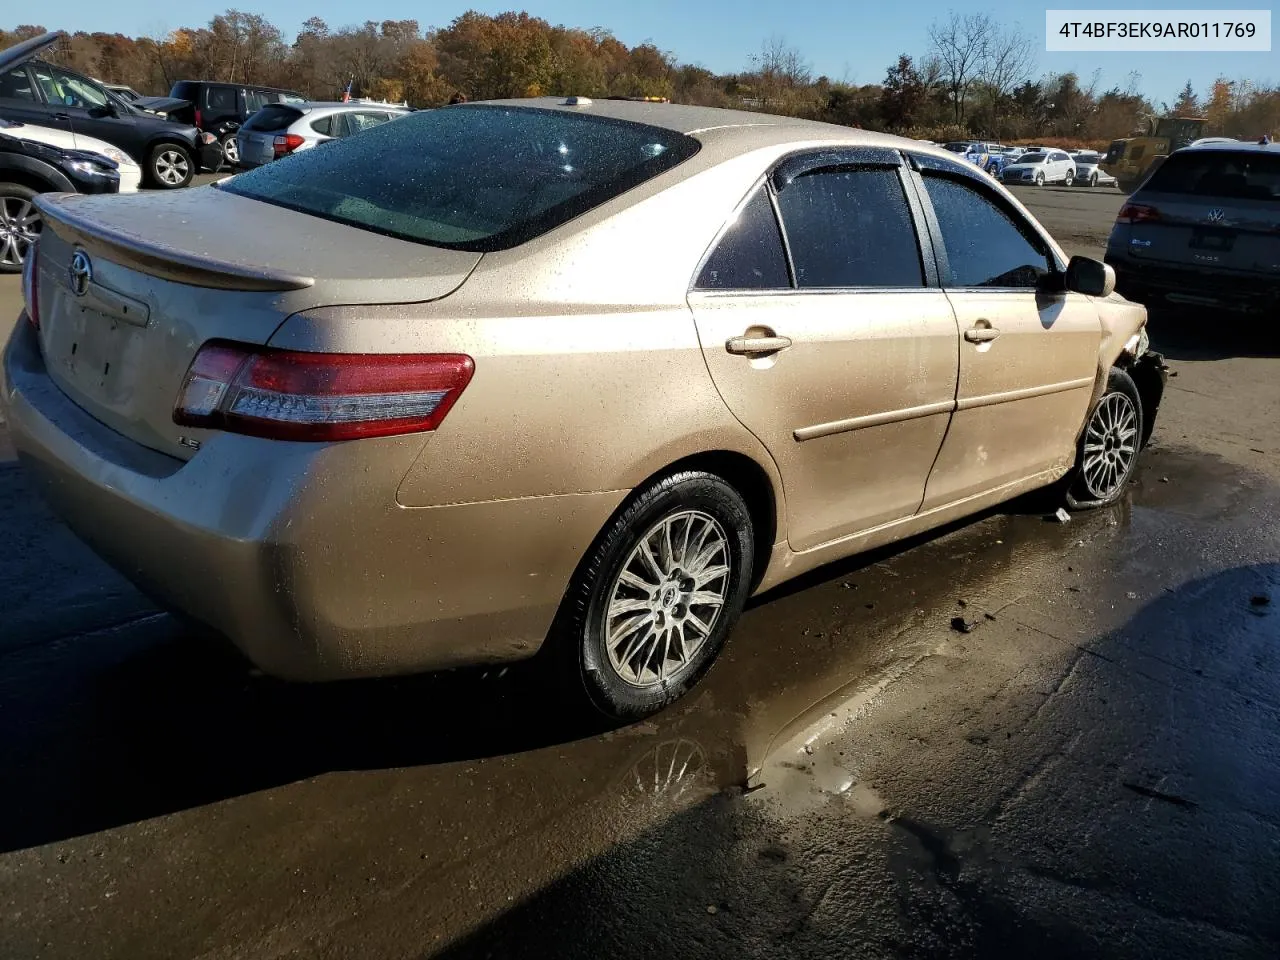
(667, 598)
(230, 150)
(19, 228)
(1110, 445)
(171, 167)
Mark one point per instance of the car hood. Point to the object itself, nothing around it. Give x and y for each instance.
(160, 104)
(1018, 167)
(20, 53)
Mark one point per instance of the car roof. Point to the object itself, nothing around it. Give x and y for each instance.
(746, 129)
(339, 105)
(1239, 146)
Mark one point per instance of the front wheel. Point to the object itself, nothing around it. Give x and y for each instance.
(230, 150)
(169, 166)
(19, 225)
(1069, 179)
(1108, 450)
(1039, 179)
(1093, 179)
(657, 594)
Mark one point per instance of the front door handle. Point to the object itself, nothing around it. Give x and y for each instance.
(981, 334)
(755, 346)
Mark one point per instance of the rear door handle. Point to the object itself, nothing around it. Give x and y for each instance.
(754, 346)
(62, 116)
(981, 334)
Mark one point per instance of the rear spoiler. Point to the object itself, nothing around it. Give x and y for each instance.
(157, 259)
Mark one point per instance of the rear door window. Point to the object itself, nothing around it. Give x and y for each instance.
(255, 100)
(1222, 174)
(986, 244)
(323, 126)
(431, 177)
(749, 255)
(851, 228)
(273, 117)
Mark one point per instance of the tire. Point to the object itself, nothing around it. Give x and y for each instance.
(1093, 179)
(1069, 179)
(20, 225)
(169, 166)
(631, 678)
(1103, 469)
(1039, 179)
(230, 151)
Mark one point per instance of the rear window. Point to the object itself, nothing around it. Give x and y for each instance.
(273, 117)
(469, 177)
(1219, 173)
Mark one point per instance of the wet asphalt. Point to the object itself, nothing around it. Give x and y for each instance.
(1089, 766)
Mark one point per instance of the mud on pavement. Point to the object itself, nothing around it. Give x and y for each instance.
(1090, 767)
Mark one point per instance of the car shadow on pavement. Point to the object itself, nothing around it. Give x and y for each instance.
(1185, 334)
(1158, 754)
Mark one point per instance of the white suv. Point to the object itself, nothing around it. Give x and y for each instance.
(1040, 167)
(279, 129)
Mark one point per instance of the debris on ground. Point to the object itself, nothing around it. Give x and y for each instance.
(962, 625)
(1061, 516)
(989, 616)
(712, 909)
(1131, 595)
(1164, 479)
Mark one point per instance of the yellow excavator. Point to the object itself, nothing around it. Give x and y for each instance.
(1130, 160)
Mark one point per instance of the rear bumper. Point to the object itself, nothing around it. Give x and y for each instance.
(1154, 284)
(299, 553)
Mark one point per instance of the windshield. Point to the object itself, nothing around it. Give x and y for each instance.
(1219, 173)
(470, 177)
(1031, 158)
(1087, 157)
(957, 147)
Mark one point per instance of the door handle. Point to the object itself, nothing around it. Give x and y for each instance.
(62, 116)
(755, 346)
(981, 334)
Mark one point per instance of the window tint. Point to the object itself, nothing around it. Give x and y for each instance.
(985, 246)
(221, 99)
(1219, 173)
(749, 255)
(323, 125)
(851, 228)
(272, 117)
(256, 100)
(16, 85)
(432, 176)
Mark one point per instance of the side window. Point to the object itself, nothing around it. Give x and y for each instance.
(363, 121)
(255, 100)
(986, 247)
(16, 85)
(67, 89)
(851, 228)
(338, 127)
(323, 126)
(221, 99)
(749, 255)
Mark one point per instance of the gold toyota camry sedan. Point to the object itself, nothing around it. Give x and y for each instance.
(556, 375)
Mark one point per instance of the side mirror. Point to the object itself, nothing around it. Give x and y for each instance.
(1090, 277)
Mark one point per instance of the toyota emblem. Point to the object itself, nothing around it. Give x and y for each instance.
(1215, 215)
(80, 273)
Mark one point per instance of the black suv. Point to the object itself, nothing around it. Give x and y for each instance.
(220, 108)
(38, 93)
(28, 168)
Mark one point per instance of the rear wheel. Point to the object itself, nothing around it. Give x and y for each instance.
(1069, 179)
(1108, 451)
(1039, 179)
(1093, 179)
(169, 166)
(20, 225)
(656, 596)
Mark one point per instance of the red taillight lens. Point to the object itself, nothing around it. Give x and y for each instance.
(289, 395)
(30, 289)
(199, 119)
(286, 143)
(1137, 213)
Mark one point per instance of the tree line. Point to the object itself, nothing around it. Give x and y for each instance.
(976, 79)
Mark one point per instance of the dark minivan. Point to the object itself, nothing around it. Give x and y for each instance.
(44, 95)
(220, 108)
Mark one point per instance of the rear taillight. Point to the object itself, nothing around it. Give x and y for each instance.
(30, 289)
(289, 395)
(1137, 213)
(286, 143)
(199, 119)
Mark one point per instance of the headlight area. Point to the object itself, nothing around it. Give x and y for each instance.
(1137, 345)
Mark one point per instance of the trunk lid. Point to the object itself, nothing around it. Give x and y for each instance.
(131, 288)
